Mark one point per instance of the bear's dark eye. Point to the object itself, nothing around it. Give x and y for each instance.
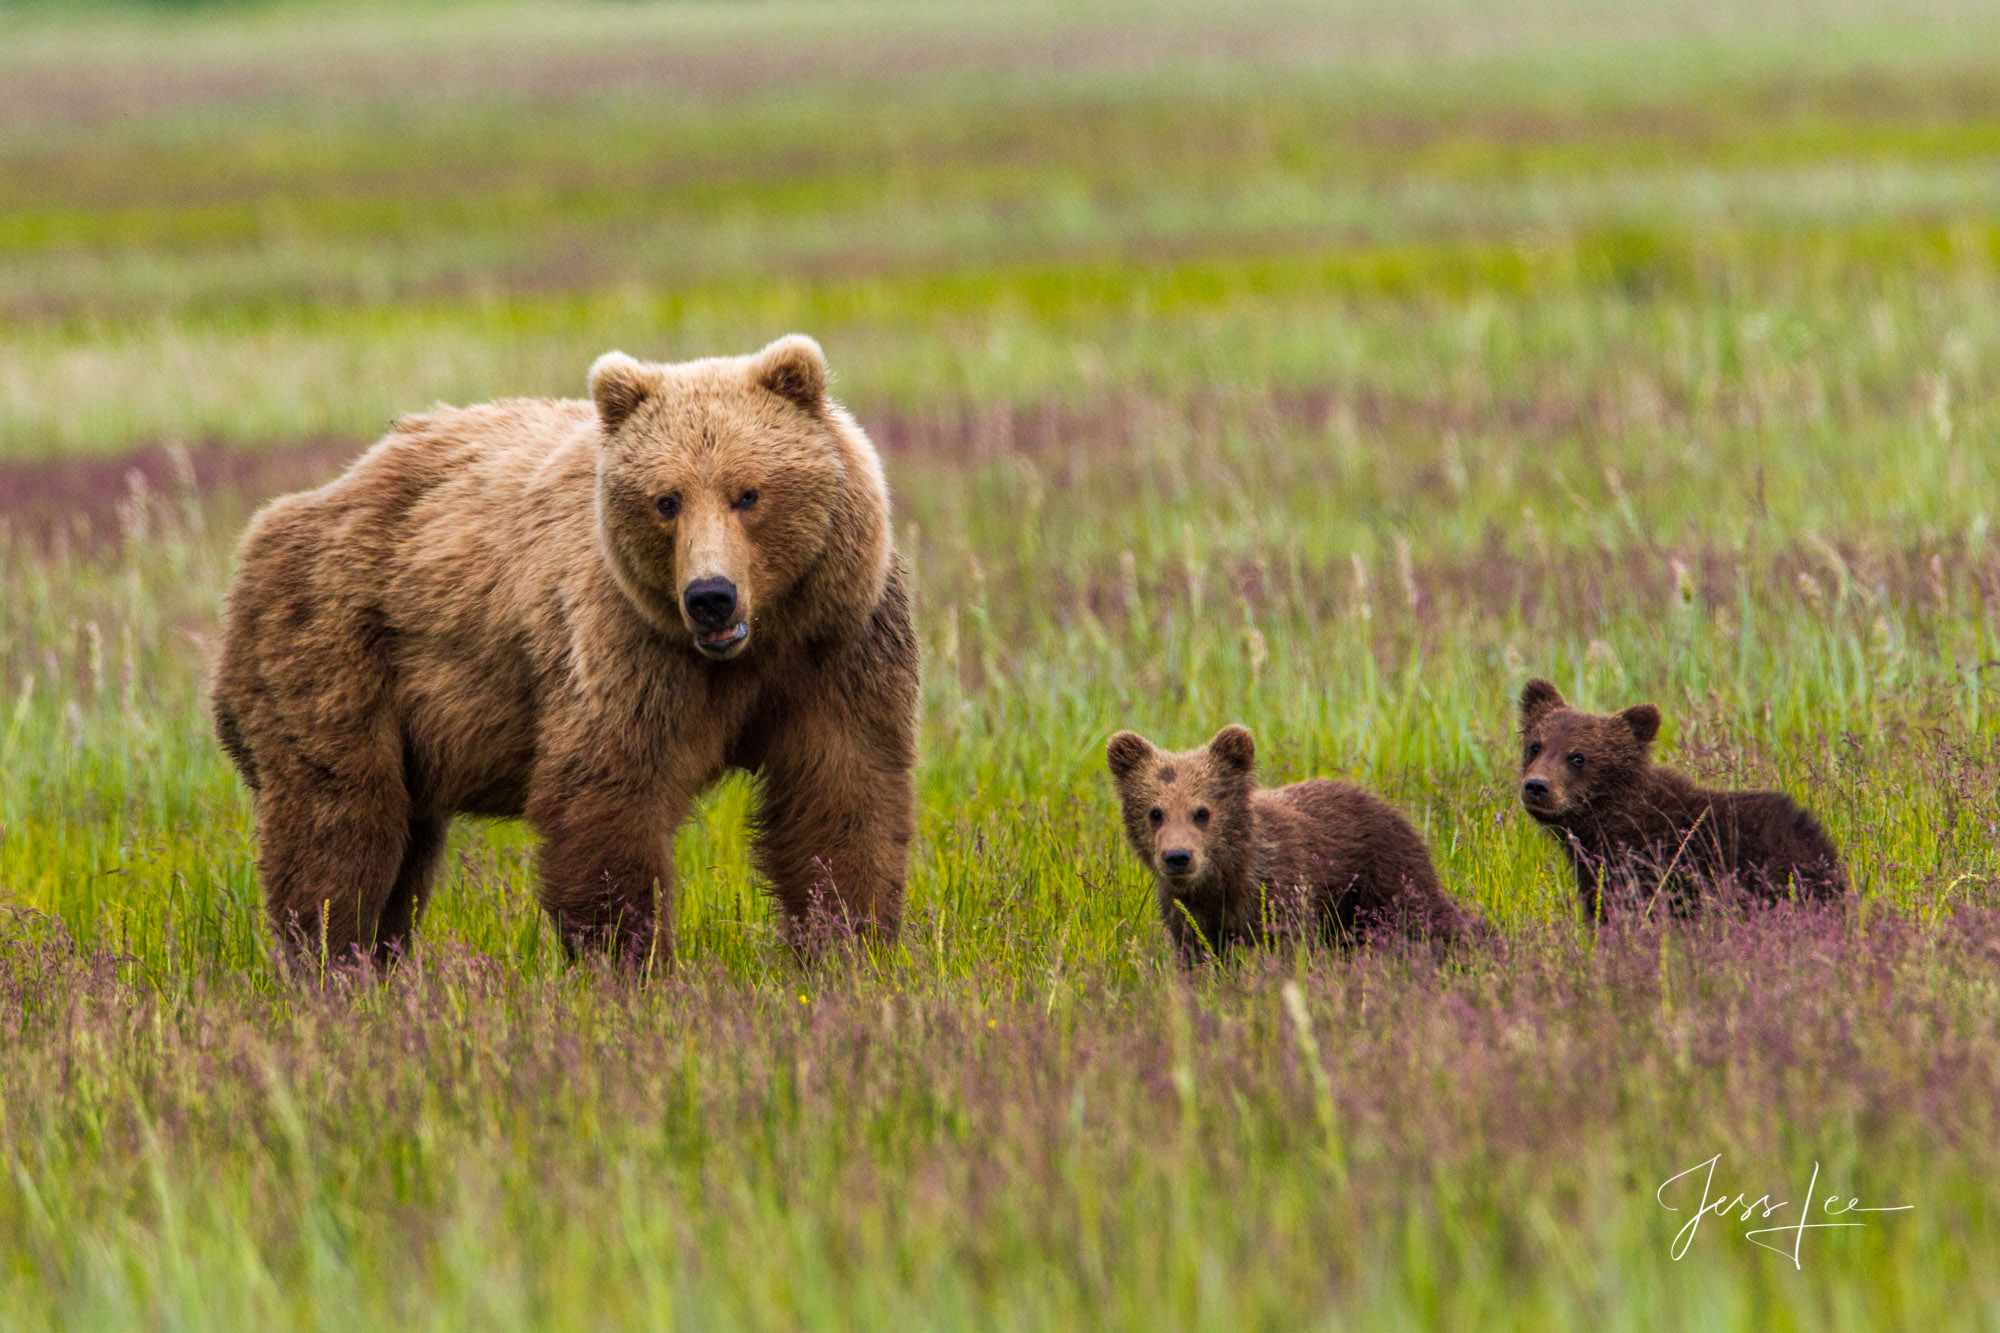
(670, 506)
(1201, 815)
(1576, 759)
(747, 500)
(1155, 815)
(1534, 749)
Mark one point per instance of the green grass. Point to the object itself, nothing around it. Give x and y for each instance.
(1325, 369)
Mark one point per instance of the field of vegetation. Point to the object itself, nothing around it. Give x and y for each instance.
(1330, 368)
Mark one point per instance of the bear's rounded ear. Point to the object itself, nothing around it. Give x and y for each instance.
(1537, 698)
(1125, 752)
(1644, 719)
(618, 384)
(792, 367)
(1236, 747)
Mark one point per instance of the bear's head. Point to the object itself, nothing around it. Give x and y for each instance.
(736, 500)
(1572, 761)
(1187, 814)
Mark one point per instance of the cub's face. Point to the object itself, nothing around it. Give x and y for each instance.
(719, 485)
(1569, 759)
(1183, 810)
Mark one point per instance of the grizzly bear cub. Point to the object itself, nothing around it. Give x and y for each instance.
(1239, 864)
(1632, 830)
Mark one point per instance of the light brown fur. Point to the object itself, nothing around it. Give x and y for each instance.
(485, 615)
(1317, 857)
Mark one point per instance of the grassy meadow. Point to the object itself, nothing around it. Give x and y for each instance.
(1329, 368)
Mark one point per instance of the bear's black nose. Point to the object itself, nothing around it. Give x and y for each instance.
(1535, 789)
(711, 603)
(1177, 861)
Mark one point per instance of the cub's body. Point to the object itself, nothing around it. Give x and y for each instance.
(1238, 864)
(1632, 829)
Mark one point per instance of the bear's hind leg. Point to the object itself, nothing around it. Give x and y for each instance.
(329, 853)
(396, 928)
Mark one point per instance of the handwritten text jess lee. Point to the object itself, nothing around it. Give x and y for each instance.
(1762, 1208)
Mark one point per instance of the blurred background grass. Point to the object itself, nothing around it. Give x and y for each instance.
(1326, 367)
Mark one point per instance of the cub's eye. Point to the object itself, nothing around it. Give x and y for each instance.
(1155, 815)
(1534, 749)
(1576, 759)
(747, 500)
(670, 506)
(1201, 815)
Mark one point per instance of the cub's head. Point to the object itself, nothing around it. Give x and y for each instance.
(735, 500)
(1185, 813)
(1570, 759)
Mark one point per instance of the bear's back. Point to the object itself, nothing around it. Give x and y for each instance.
(490, 456)
(1341, 836)
(440, 556)
(1777, 842)
(428, 522)
(1667, 823)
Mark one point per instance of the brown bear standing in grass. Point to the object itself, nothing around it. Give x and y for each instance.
(1632, 829)
(580, 612)
(1235, 863)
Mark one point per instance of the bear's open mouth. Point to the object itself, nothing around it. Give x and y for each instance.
(724, 642)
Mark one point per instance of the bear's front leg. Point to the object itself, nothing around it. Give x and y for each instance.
(836, 813)
(837, 800)
(606, 861)
(1194, 940)
(833, 829)
(1590, 871)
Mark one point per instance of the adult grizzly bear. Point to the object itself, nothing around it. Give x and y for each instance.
(580, 612)
(1632, 829)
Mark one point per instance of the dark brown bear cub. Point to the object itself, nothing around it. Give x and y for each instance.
(1632, 830)
(1236, 864)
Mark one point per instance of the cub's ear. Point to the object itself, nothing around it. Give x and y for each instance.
(792, 367)
(1125, 752)
(618, 384)
(1644, 719)
(1236, 747)
(1538, 697)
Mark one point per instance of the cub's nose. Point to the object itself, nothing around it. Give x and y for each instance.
(1535, 789)
(1177, 861)
(711, 603)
